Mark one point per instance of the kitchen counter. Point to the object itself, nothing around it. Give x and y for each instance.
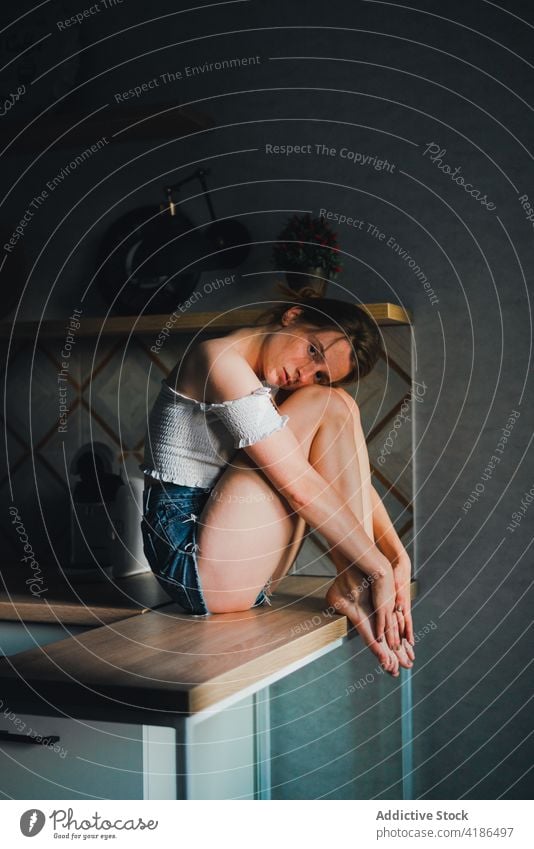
(90, 604)
(166, 661)
(131, 706)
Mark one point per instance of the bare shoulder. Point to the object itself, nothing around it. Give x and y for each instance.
(214, 371)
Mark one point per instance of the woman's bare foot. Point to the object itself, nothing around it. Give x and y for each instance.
(360, 613)
(406, 654)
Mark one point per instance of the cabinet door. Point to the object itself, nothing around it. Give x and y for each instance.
(91, 760)
(221, 757)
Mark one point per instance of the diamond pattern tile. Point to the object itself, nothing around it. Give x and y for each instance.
(397, 464)
(60, 448)
(32, 400)
(311, 560)
(400, 514)
(168, 355)
(16, 449)
(95, 353)
(398, 343)
(117, 395)
(377, 395)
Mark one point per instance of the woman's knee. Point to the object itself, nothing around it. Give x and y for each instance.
(326, 402)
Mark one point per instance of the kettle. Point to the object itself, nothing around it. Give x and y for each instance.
(105, 522)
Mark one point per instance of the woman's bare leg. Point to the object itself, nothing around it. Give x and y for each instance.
(247, 530)
(353, 482)
(345, 464)
(248, 533)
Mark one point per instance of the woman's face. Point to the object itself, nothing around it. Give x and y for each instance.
(299, 355)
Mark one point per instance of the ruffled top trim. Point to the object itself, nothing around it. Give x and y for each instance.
(206, 405)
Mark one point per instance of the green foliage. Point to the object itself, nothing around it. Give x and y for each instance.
(307, 242)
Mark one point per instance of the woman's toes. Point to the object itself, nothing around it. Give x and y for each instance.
(403, 657)
(409, 650)
(388, 662)
(383, 656)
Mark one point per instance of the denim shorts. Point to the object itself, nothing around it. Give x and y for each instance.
(169, 528)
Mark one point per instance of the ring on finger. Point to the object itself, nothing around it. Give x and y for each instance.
(399, 608)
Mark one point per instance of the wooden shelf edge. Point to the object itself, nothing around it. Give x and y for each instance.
(66, 614)
(383, 313)
(71, 129)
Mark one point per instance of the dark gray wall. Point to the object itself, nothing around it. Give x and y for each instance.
(384, 81)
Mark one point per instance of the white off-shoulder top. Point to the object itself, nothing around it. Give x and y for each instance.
(189, 442)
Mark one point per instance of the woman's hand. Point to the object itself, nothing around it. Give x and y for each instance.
(402, 571)
(350, 595)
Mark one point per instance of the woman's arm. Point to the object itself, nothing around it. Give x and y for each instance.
(384, 533)
(389, 543)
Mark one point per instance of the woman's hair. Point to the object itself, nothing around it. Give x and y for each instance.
(355, 322)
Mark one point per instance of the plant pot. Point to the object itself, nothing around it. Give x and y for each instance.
(314, 277)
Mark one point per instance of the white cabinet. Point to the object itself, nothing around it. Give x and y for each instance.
(216, 758)
(209, 759)
(101, 760)
(91, 760)
(221, 754)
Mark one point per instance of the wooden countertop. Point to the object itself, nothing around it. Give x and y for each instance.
(167, 661)
(77, 604)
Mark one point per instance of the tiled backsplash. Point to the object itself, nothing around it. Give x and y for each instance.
(111, 385)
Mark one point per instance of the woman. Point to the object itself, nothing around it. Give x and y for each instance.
(233, 478)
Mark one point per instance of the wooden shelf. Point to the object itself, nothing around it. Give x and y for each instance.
(191, 321)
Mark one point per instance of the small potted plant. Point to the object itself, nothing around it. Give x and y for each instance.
(307, 250)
